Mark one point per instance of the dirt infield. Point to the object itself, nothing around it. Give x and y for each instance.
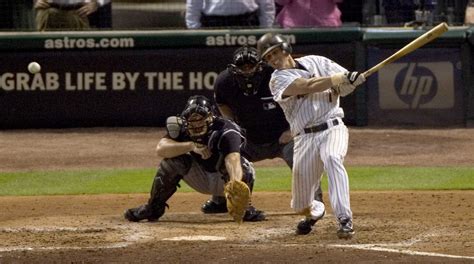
(393, 227)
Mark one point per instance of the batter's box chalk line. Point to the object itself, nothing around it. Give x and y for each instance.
(392, 247)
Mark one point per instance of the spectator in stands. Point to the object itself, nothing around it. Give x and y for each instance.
(469, 16)
(64, 14)
(226, 13)
(102, 18)
(352, 11)
(309, 13)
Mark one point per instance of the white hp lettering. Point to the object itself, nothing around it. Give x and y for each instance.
(415, 86)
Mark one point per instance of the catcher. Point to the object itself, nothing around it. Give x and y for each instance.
(203, 150)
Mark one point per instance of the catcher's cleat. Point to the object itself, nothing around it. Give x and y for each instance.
(142, 212)
(253, 215)
(306, 225)
(345, 229)
(211, 207)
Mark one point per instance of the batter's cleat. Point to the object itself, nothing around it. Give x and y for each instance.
(345, 230)
(211, 207)
(305, 226)
(253, 215)
(142, 212)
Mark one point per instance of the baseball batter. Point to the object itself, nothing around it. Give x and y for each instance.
(308, 90)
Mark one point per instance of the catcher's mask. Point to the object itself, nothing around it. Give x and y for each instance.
(245, 67)
(198, 116)
(270, 41)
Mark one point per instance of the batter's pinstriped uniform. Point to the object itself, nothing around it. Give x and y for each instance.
(319, 151)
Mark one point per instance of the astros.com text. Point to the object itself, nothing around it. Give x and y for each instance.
(88, 43)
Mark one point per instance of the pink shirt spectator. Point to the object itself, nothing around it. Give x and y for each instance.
(309, 13)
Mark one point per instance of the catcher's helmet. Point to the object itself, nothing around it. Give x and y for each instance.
(198, 116)
(270, 41)
(245, 66)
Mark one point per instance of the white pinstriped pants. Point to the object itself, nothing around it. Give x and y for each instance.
(313, 154)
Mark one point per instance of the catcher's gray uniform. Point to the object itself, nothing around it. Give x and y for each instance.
(320, 137)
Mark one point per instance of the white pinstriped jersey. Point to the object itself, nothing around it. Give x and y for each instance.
(315, 152)
(313, 108)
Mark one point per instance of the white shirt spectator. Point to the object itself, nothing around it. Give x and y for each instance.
(195, 8)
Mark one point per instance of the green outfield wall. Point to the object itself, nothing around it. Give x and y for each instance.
(138, 78)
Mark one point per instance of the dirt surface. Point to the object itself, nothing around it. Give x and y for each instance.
(391, 227)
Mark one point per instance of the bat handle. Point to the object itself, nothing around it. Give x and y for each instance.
(367, 73)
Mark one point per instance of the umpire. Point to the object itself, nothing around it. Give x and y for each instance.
(242, 94)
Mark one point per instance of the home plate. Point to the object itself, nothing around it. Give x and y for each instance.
(195, 238)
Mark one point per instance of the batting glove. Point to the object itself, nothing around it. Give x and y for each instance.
(355, 78)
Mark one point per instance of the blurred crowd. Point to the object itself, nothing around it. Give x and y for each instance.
(44, 15)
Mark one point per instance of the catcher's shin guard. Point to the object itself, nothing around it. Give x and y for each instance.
(167, 179)
(164, 186)
(248, 173)
(251, 213)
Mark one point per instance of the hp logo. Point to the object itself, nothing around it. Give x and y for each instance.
(427, 85)
(416, 85)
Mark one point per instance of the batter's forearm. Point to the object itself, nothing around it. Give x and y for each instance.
(302, 86)
(233, 166)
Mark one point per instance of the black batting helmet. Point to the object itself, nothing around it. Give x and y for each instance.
(270, 41)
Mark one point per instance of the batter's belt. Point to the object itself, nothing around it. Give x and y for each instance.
(321, 127)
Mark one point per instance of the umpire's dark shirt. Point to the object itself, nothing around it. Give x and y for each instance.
(260, 116)
(224, 137)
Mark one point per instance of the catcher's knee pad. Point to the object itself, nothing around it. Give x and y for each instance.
(179, 165)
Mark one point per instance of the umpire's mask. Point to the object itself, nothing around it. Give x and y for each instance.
(245, 68)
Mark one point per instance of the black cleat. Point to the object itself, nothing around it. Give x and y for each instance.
(345, 230)
(253, 215)
(306, 225)
(142, 212)
(211, 207)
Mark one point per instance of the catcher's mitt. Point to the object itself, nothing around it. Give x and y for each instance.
(237, 194)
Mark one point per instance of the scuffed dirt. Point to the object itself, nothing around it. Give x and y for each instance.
(417, 226)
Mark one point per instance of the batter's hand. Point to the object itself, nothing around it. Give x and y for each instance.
(202, 150)
(355, 78)
(285, 137)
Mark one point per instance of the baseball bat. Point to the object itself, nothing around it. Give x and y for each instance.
(410, 47)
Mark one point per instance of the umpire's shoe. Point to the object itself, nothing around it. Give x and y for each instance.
(211, 207)
(306, 225)
(253, 215)
(345, 228)
(143, 212)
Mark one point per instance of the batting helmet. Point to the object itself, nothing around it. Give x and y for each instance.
(245, 66)
(270, 41)
(198, 116)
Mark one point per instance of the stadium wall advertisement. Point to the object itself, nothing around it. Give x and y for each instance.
(423, 88)
(140, 78)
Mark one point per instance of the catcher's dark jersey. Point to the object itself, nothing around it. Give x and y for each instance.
(260, 116)
(224, 137)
